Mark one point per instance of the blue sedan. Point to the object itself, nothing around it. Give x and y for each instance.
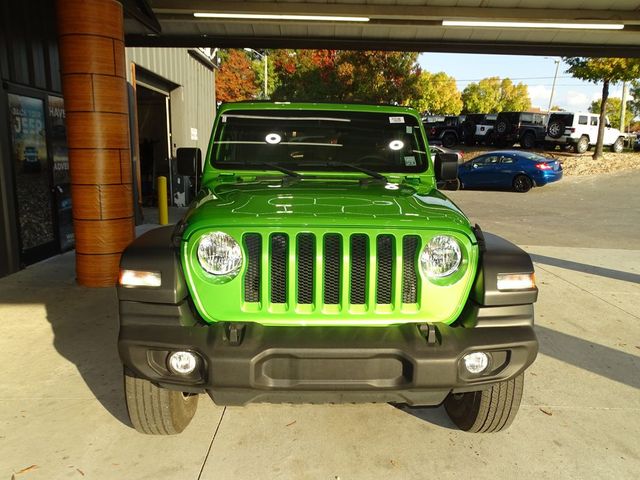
(509, 169)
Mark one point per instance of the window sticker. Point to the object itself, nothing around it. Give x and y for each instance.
(409, 130)
(396, 119)
(224, 119)
(410, 161)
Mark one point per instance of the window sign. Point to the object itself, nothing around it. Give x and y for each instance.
(61, 177)
(33, 188)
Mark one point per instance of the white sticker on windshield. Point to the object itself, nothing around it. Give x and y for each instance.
(410, 161)
(224, 119)
(409, 130)
(396, 119)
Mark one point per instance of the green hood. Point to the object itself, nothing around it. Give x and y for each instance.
(323, 202)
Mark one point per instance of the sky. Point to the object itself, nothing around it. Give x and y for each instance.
(536, 72)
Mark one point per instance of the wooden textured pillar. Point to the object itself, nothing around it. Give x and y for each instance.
(91, 42)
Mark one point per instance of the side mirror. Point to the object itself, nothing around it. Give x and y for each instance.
(446, 166)
(189, 161)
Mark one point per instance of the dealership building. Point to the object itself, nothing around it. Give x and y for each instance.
(86, 127)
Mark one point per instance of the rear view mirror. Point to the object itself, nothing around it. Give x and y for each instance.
(446, 166)
(189, 161)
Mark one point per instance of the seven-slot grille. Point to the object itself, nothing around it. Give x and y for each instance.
(331, 269)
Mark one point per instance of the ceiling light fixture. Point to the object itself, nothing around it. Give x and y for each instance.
(261, 16)
(572, 26)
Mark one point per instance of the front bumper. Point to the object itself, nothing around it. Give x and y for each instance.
(242, 363)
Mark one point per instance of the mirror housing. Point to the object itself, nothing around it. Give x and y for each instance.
(189, 161)
(446, 166)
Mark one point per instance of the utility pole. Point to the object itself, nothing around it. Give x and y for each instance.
(553, 87)
(623, 109)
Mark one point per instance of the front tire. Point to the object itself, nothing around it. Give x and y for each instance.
(618, 145)
(583, 145)
(449, 140)
(486, 411)
(522, 184)
(157, 411)
(528, 141)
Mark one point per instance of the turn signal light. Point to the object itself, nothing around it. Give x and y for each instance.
(516, 281)
(140, 278)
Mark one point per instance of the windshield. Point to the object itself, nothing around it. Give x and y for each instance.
(319, 141)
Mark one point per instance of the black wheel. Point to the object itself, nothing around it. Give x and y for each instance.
(522, 184)
(486, 411)
(449, 140)
(502, 127)
(556, 129)
(618, 145)
(528, 140)
(157, 411)
(582, 145)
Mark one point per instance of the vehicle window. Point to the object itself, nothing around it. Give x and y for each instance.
(492, 160)
(594, 121)
(526, 117)
(481, 161)
(538, 119)
(582, 120)
(379, 141)
(506, 160)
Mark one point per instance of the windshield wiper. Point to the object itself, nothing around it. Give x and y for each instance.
(272, 166)
(334, 163)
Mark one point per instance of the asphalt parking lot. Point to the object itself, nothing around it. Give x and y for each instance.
(62, 410)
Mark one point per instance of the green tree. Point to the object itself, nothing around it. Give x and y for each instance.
(634, 103)
(482, 97)
(332, 75)
(514, 98)
(257, 63)
(437, 93)
(607, 71)
(613, 110)
(493, 95)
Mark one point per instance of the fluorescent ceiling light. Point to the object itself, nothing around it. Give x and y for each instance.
(261, 16)
(573, 26)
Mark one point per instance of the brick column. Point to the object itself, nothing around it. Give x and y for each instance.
(91, 43)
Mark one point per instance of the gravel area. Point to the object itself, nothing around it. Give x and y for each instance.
(576, 164)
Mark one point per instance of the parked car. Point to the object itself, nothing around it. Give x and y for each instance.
(526, 128)
(478, 128)
(509, 169)
(579, 130)
(323, 271)
(443, 128)
(636, 144)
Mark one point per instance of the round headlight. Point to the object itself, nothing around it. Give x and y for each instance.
(219, 254)
(441, 257)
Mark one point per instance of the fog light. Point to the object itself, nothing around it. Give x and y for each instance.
(182, 363)
(476, 362)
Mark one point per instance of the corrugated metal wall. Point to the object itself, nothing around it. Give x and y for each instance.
(193, 103)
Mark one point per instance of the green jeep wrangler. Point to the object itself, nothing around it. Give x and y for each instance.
(319, 263)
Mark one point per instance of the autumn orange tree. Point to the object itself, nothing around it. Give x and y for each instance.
(236, 79)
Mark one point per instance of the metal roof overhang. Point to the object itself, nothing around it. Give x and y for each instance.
(405, 25)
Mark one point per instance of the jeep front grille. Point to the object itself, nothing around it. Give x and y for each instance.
(331, 270)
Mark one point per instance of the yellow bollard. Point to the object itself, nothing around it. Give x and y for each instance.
(163, 212)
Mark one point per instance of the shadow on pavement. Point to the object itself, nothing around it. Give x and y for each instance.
(605, 361)
(84, 322)
(586, 268)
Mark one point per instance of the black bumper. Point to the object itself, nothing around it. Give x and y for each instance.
(242, 363)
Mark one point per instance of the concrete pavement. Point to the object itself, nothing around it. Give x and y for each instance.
(62, 411)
